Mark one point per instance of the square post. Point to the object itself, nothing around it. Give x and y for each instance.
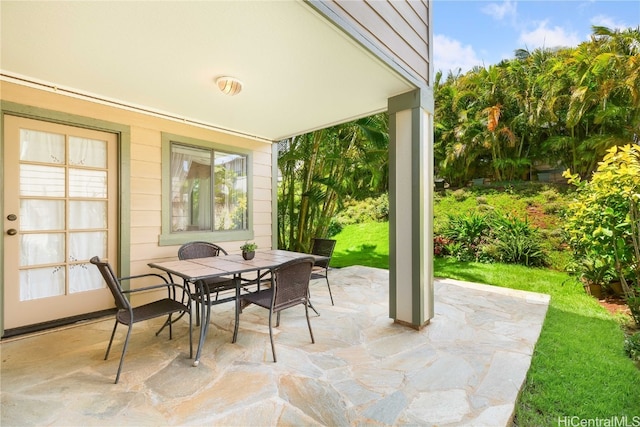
(411, 208)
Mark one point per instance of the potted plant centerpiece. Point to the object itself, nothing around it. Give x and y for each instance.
(248, 250)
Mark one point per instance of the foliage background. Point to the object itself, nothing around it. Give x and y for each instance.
(546, 107)
(557, 108)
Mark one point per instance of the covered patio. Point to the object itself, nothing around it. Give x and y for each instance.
(152, 85)
(466, 368)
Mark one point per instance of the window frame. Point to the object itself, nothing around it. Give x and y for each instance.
(169, 238)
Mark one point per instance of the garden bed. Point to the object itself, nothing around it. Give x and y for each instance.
(615, 306)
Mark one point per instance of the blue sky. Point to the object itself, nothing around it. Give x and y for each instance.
(482, 32)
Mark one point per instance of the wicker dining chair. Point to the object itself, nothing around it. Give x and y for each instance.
(128, 315)
(194, 250)
(325, 248)
(289, 287)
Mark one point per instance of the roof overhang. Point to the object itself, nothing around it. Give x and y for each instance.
(299, 71)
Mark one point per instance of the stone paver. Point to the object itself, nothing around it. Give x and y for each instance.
(465, 368)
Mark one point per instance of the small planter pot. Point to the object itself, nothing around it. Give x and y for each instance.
(616, 288)
(593, 289)
(248, 255)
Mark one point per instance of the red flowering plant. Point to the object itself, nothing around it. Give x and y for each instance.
(440, 244)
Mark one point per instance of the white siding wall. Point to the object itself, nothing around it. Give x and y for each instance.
(399, 29)
(145, 173)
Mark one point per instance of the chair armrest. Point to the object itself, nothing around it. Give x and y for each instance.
(145, 275)
(148, 288)
(167, 284)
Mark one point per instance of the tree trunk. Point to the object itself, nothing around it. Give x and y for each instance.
(309, 170)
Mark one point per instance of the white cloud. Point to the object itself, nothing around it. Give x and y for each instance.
(451, 55)
(548, 37)
(499, 11)
(609, 22)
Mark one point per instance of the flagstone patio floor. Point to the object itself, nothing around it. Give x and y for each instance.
(465, 368)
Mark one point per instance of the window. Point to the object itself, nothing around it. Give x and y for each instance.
(207, 192)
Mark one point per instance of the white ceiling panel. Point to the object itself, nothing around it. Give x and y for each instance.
(299, 72)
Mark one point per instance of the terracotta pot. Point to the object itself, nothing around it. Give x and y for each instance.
(616, 287)
(594, 289)
(248, 255)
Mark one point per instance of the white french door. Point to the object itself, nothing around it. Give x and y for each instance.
(60, 198)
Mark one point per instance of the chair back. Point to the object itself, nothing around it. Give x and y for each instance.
(291, 281)
(323, 247)
(122, 303)
(193, 250)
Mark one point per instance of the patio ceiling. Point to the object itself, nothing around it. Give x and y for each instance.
(299, 72)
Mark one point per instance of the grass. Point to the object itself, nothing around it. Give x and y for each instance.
(578, 369)
(362, 244)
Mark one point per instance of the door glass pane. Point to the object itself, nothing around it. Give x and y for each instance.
(38, 180)
(230, 191)
(87, 214)
(190, 188)
(87, 152)
(42, 147)
(87, 183)
(41, 283)
(36, 249)
(84, 246)
(36, 214)
(84, 277)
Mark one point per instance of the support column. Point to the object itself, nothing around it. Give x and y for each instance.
(411, 208)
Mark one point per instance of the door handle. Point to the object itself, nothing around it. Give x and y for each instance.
(12, 232)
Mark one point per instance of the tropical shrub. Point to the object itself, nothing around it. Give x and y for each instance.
(517, 242)
(440, 244)
(550, 195)
(493, 237)
(592, 269)
(460, 194)
(632, 346)
(553, 208)
(603, 222)
(467, 233)
(633, 302)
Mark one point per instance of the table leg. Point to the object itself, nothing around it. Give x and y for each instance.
(204, 320)
(238, 283)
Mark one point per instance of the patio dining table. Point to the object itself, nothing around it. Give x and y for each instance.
(198, 270)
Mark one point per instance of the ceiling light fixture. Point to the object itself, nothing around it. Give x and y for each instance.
(229, 85)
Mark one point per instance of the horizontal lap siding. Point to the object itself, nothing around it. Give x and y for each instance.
(262, 197)
(145, 169)
(151, 211)
(400, 29)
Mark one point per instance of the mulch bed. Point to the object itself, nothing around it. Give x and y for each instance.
(615, 305)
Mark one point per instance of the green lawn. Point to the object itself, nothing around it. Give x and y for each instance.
(579, 368)
(362, 244)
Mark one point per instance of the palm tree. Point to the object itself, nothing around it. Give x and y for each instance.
(603, 109)
(323, 168)
(567, 105)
